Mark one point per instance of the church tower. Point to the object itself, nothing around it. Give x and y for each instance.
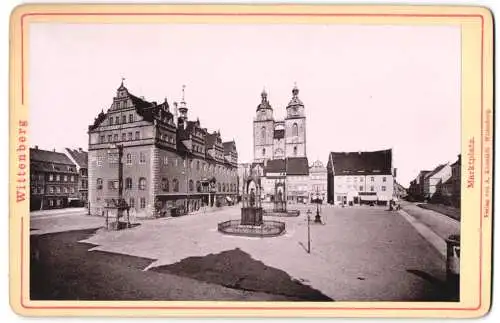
(263, 128)
(295, 127)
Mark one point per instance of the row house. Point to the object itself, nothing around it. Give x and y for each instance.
(449, 191)
(318, 178)
(79, 157)
(360, 177)
(53, 180)
(169, 164)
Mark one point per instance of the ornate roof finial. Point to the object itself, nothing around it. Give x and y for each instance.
(295, 90)
(264, 94)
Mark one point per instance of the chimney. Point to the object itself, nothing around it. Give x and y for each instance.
(36, 147)
(53, 149)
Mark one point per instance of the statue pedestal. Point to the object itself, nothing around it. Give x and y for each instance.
(251, 216)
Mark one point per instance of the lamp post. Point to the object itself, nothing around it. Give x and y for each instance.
(308, 231)
(317, 218)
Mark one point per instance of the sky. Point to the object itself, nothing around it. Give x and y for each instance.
(364, 87)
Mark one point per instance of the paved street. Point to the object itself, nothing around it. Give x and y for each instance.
(360, 253)
(441, 224)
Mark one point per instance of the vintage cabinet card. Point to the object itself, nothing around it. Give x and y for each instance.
(251, 160)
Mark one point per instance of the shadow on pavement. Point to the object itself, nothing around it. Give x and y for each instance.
(440, 290)
(236, 269)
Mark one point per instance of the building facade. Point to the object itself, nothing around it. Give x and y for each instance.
(416, 189)
(318, 182)
(79, 157)
(170, 165)
(53, 180)
(432, 180)
(360, 177)
(450, 190)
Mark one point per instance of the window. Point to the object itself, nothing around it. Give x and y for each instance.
(143, 202)
(72, 190)
(263, 151)
(372, 178)
(383, 188)
(361, 188)
(175, 184)
(198, 186)
(218, 187)
(142, 158)
(124, 119)
(58, 189)
(137, 135)
(223, 187)
(131, 202)
(72, 178)
(164, 184)
(117, 120)
(197, 165)
(110, 138)
(384, 179)
(338, 198)
(142, 183)
(295, 151)
(51, 177)
(124, 136)
(372, 189)
(295, 129)
(361, 178)
(191, 185)
(129, 159)
(65, 178)
(130, 118)
(51, 189)
(58, 177)
(165, 160)
(176, 162)
(263, 134)
(129, 136)
(110, 121)
(112, 185)
(115, 137)
(99, 183)
(103, 139)
(128, 183)
(58, 202)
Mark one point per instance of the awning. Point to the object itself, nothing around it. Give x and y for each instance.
(368, 197)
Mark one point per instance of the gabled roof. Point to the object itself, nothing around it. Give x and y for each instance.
(435, 171)
(274, 166)
(49, 157)
(229, 146)
(79, 156)
(297, 166)
(362, 163)
(290, 166)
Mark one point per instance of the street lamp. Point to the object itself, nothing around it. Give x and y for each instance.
(317, 218)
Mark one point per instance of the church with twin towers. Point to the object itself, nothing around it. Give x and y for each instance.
(280, 148)
(279, 139)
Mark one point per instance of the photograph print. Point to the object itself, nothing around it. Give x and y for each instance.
(279, 162)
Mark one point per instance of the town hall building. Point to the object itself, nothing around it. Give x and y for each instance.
(168, 164)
